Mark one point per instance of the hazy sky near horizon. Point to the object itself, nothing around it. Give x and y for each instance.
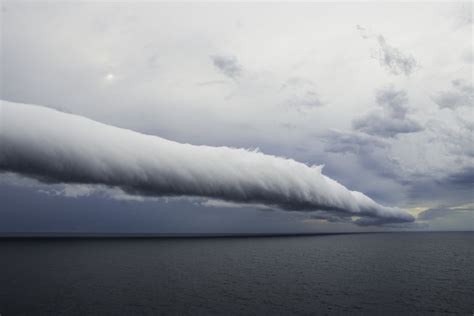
(381, 94)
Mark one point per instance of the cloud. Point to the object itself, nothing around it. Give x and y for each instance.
(332, 217)
(445, 211)
(58, 147)
(366, 221)
(301, 94)
(352, 142)
(464, 177)
(72, 191)
(394, 101)
(228, 65)
(390, 119)
(461, 94)
(372, 153)
(376, 124)
(225, 204)
(394, 60)
(389, 57)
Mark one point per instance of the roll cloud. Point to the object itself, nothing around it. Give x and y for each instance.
(58, 147)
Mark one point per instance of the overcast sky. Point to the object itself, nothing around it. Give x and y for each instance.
(381, 94)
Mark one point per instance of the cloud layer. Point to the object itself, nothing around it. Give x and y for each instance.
(63, 148)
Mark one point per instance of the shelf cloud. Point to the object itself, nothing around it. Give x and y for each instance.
(57, 147)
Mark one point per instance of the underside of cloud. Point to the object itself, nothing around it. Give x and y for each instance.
(57, 147)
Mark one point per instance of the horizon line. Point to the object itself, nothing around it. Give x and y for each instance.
(89, 235)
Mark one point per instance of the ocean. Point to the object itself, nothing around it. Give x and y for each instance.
(369, 274)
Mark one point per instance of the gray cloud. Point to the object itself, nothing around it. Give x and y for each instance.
(433, 213)
(392, 120)
(301, 94)
(461, 94)
(365, 221)
(389, 57)
(394, 60)
(352, 142)
(228, 65)
(444, 211)
(160, 85)
(464, 177)
(394, 101)
(375, 124)
(371, 152)
(419, 174)
(332, 217)
(454, 187)
(62, 148)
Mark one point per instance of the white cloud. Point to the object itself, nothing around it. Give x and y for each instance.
(58, 147)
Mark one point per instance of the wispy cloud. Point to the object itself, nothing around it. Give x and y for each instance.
(390, 57)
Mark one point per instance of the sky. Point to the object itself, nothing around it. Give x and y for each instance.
(376, 97)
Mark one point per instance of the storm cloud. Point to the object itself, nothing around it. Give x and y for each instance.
(57, 147)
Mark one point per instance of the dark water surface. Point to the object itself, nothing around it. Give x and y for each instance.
(411, 273)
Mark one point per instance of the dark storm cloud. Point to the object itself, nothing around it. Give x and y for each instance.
(228, 65)
(461, 94)
(62, 148)
(389, 57)
(392, 119)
